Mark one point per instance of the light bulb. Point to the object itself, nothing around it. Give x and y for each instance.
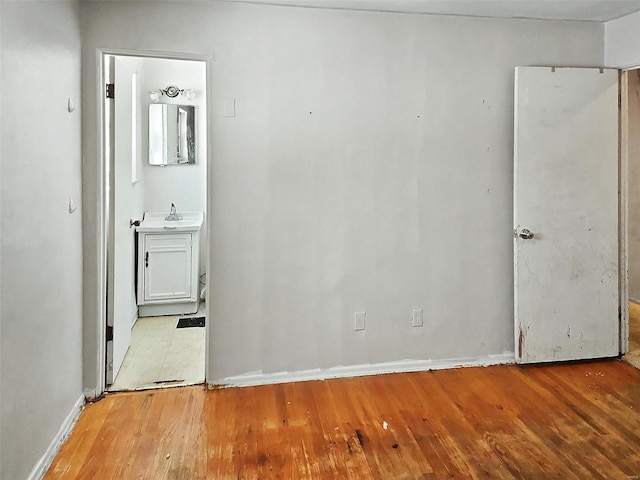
(189, 94)
(154, 95)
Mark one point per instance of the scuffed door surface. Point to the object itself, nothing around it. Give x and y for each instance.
(566, 193)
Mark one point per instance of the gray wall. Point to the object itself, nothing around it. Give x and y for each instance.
(369, 168)
(622, 37)
(40, 248)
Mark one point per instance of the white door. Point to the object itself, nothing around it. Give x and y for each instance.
(126, 206)
(566, 214)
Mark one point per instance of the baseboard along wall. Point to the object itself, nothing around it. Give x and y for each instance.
(402, 366)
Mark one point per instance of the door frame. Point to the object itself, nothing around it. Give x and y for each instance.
(102, 227)
(623, 209)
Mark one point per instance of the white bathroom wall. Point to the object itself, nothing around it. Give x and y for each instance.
(622, 41)
(40, 246)
(184, 185)
(369, 167)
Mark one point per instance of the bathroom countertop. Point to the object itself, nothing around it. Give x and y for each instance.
(154, 222)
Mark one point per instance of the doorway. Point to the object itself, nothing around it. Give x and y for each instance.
(630, 123)
(159, 342)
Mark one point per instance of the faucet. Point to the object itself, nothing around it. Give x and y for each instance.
(173, 216)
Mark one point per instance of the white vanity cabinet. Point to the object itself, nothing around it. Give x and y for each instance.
(168, 261)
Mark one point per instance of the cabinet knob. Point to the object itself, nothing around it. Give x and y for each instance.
(146, 259)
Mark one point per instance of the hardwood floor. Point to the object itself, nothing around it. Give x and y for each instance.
(571, 421)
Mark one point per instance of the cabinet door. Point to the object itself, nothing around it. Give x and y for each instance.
(168, 266)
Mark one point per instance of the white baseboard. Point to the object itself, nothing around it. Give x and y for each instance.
(633, 300)
(402, 366)
(46, 460)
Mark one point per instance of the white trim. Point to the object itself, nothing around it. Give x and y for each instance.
(402, 366)
(91, 394)
(623, 214)
(208, 221)
(46, 460)
(200, 57)
(101, 260)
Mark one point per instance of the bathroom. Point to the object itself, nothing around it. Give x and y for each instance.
(153, 346)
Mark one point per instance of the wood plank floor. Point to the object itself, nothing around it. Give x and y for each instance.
(571, 421)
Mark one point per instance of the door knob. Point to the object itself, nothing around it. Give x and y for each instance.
(525, 234)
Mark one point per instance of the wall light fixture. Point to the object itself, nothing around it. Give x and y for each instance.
(171, 91)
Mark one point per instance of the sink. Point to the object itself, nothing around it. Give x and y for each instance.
(154, 222)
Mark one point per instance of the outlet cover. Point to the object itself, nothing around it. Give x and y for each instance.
(417, 318)
(359, 318)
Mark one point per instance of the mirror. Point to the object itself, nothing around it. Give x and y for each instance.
(171, 134)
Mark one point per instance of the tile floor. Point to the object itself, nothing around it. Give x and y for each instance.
(162, 355)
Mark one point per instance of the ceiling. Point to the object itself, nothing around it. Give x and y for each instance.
(579, 10)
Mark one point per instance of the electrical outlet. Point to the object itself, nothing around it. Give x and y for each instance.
(359, 320)
(417, 318)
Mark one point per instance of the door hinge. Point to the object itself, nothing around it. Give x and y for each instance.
(109, 333)
(111, 90)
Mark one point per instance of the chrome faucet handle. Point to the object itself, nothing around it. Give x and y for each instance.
(173, 216)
